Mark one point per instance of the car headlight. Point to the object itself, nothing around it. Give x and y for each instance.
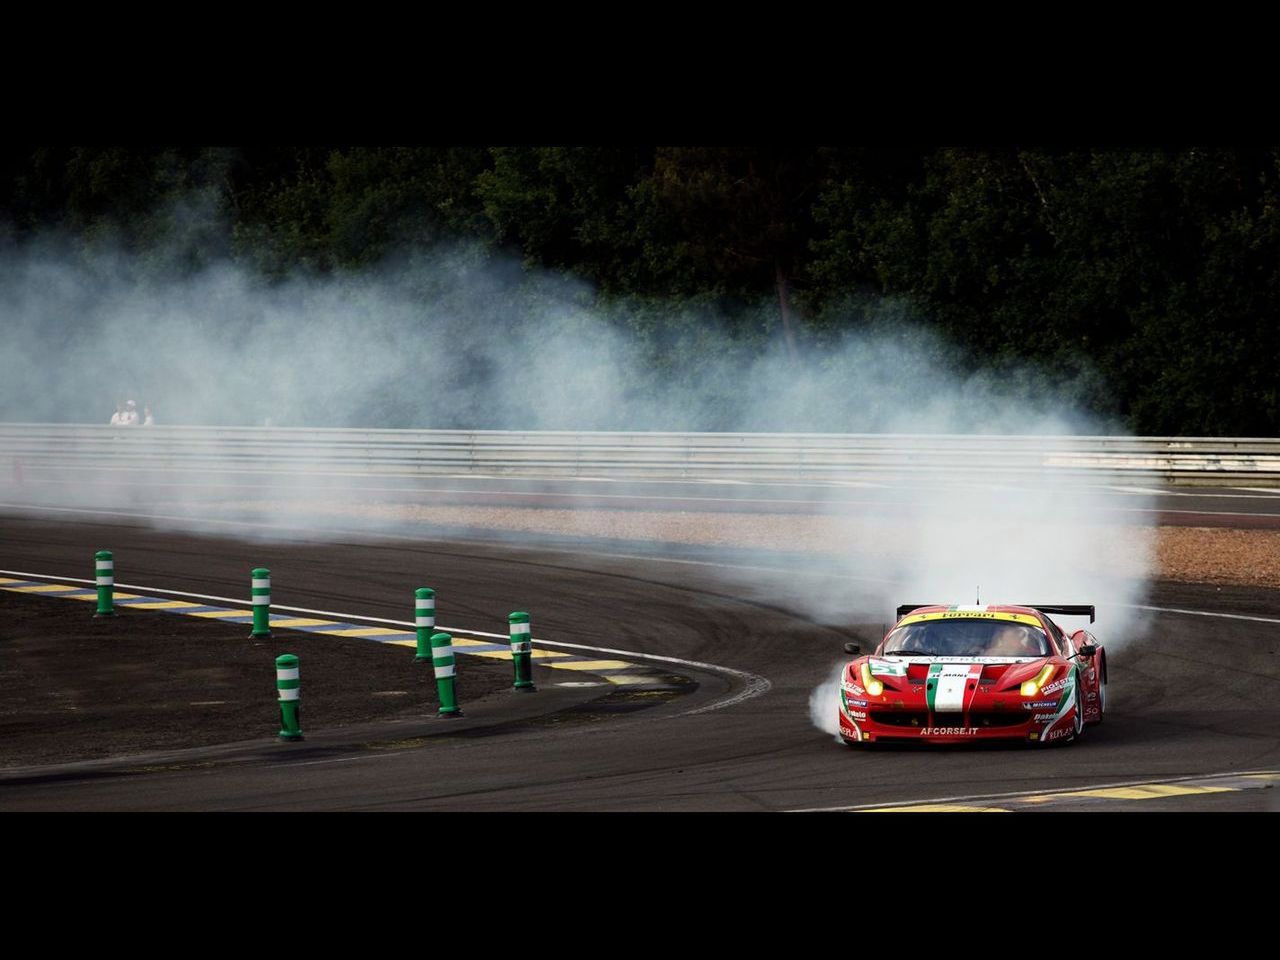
(874, 686)
(1031, 687)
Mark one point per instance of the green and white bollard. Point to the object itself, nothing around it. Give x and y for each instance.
(442, 661)
(424, 618)
(287, 686)
(261, 591)
(106, 574)
(522, 652)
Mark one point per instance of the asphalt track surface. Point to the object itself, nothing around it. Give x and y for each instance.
(1193, 698)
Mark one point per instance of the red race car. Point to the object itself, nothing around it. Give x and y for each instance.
(963, 673)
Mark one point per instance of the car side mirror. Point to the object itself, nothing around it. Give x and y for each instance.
(1088, 649)
(852, 648)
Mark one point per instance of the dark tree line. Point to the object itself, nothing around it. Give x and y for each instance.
(1148, 277)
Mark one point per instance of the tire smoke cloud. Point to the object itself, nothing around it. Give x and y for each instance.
(466, 338)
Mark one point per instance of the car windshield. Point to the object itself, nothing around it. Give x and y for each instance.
(968, 638)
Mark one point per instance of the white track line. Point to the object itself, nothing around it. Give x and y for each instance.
(623, 556)
(1192, 513)
(619, 556)
(755, 684)
(1198, 613)
(312, 533)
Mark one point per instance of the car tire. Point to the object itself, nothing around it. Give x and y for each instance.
(1077, 723)
(1102, 692)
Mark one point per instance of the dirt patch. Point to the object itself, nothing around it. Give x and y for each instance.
(1185, 554)
(78, 688)
(1215, 555)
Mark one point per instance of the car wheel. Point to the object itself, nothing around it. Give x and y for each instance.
(1077, 723)
(1102, 697)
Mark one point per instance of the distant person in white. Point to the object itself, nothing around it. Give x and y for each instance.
(130, 415)
(117, 418)
(147, 419)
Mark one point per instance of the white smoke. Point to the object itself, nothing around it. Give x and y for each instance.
(824, 700)
(462, 338)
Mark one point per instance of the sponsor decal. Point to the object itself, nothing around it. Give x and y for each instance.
(856, 690)
(846, 702)
(1057, 734)
(888, 668)
(948, 731)
(926, 659)
(1039, 704)
(1043, 717)
(969, 615)
(1056, 685)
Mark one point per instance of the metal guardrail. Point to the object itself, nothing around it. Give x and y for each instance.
(692, 456)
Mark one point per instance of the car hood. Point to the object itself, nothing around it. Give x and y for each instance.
(993, 673)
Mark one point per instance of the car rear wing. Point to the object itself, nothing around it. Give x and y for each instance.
(1058, 608)
(1063, 609)
(908, 607)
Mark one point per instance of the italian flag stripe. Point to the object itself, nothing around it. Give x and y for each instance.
(949, 686)
(931, 684)
(1064, 704)
(975, 674)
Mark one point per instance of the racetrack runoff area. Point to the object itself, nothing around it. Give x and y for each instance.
(1171, 720)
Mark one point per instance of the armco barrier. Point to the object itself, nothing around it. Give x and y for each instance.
(39, 449)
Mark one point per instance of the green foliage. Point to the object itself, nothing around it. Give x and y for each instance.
(568, 208)
(353, 207)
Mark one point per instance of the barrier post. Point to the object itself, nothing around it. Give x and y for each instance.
(522, 652)
(287, 687)
(106, 573)
(261, 591)
(424, 619)
(442, 662)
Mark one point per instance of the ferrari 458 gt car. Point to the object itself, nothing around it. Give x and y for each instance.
(963, 673)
